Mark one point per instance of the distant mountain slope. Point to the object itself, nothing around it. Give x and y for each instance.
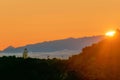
(57, 45)
(100, 61)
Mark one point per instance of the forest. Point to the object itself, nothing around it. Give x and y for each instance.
(12, 68)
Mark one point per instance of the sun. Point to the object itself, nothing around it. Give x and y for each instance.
(110, 33)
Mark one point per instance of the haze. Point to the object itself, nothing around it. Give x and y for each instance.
(30, 21)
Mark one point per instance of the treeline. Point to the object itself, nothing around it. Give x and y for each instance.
(12, 68)
(100, 61)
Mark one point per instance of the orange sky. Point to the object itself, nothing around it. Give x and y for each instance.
(30, 21)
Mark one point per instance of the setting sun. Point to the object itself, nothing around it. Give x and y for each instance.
(110, 33)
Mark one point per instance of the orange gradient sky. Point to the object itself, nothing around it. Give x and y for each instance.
(30, 21)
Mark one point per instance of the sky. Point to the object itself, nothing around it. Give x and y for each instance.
(31, 21)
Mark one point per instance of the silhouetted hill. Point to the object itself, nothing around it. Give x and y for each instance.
(99, 61)
(57, 45)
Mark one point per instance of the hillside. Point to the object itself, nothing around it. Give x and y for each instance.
(99, 61)
(57, 45)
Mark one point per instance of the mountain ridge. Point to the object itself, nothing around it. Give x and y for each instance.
(56, 45)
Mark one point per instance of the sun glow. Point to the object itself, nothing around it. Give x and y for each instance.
(110, 33)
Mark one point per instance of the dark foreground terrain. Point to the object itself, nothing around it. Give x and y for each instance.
(12, 68)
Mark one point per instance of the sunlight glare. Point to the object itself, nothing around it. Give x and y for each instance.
(110, 33)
